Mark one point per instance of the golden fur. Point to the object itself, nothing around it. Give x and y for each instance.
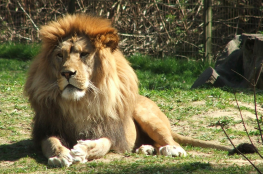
(82, 88)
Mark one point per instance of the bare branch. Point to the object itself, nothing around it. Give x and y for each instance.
(155, 3)
(238, 150)
(28, 16)
(244, 125)
(242, 77)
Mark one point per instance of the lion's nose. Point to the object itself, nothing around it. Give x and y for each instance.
(68, 74)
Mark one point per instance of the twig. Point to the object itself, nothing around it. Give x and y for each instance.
(245, 125)
(231, 19)
(80, 6)
(134, 35)
(9, 13)
(255, 103)
(181, 56)
(260, 70)
(194, 16)
(182, 11)
(28, 16)
(19, 35)
(256, 113)
(155, 3)
(65, 8)
(118, 11)
(238, 150)
(242, 77)
(255, 97)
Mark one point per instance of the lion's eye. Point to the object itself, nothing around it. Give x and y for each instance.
(60, 55)
(84, 54)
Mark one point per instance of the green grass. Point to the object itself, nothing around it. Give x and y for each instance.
(18, 51)
(166, 73)
(167, 82)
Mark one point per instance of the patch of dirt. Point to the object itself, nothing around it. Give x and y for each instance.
(4, 141)
(193, 125)
(205, 119)
(111, 156)
(201, 154)
(198, 103)
(242, 162)
(239, 162)
(252, 106)
(6, 163)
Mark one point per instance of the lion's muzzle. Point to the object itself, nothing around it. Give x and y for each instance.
(68, 74)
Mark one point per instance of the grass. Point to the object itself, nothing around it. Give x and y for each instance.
(168, 73)
(167, 82)
(18, 51)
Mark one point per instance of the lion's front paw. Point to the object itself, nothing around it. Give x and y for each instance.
(170, 150)
(146, 150)
(79, 152)
(63, 160)
(90, 149)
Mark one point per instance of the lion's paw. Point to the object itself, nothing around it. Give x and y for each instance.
(64, 160)
(79, 153)
(171, 150)
(146, 150)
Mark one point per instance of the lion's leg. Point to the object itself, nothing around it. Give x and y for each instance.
(57, 154)
(157, 126)
(90, 149)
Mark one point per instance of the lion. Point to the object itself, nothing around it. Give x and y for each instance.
(85, 97)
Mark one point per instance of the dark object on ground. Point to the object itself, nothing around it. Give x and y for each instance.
(242, 56)
(244, 148)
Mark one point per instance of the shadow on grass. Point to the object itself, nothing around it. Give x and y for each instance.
(176, 168)
(21, 149)
(157, 167)
(25, 148)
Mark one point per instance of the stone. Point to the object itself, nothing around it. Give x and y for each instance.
(238, 65)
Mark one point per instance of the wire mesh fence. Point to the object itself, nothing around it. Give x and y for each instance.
(153, 27)
(234, 17)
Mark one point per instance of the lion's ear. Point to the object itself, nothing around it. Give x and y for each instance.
(110, 39)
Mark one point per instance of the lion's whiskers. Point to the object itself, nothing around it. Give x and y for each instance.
(93, 88)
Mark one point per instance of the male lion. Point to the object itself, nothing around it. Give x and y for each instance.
(85, 97)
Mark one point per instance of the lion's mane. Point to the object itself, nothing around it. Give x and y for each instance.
(101, 112)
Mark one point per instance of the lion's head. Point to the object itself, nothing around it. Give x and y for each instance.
(80, 69)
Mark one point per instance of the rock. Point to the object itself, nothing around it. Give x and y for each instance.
(241, 59)
(209, 76)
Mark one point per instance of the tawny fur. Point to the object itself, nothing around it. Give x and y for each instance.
(110, 110)
(114, 78)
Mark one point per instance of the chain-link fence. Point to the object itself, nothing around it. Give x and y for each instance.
(153, 27)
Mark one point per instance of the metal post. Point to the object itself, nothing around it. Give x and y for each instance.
(208, 30)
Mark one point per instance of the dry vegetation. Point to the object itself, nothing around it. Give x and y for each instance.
(152, 27)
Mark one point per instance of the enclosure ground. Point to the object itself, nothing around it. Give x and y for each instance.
(192, 113)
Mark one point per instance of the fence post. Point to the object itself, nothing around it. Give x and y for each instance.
(208, 30)
(71, 6)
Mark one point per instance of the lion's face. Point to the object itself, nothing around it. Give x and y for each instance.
(74, 60)
(80, 68)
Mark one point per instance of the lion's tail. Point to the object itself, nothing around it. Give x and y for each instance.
(198, 143)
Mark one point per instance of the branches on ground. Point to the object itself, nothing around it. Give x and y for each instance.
(253, 84)
(238, 149)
